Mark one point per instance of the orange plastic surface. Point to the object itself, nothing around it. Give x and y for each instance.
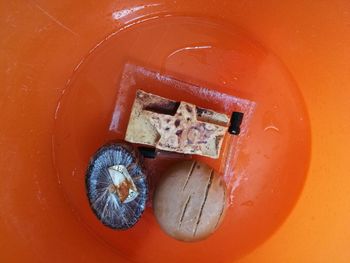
(60, 65)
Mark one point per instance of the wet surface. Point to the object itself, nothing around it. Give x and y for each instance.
(43, 42)
(271, 168)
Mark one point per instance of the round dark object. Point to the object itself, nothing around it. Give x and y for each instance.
(117, 185)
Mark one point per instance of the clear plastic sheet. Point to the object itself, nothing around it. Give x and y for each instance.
(136, 77)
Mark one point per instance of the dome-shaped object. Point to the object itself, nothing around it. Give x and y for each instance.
(117, 185)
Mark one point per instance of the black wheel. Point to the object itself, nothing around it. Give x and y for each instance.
(116, 185)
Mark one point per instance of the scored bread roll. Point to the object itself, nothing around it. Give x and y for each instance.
(190, 201)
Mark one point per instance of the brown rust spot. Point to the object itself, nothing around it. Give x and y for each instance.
(177, 123)
(167, 108)
(122, 190)
(179, 132)
(188, 108)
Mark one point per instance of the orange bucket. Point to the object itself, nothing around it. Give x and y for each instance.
(61, 65)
